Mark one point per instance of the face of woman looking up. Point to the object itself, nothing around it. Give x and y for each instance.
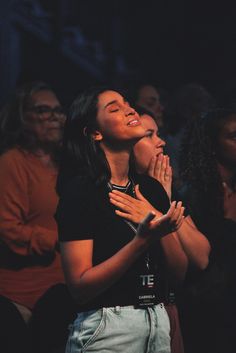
(149, 146)
(118, 124)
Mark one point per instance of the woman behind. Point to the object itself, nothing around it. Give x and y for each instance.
(31, 277)
(149, 159)
(111, 265)
(208, 167)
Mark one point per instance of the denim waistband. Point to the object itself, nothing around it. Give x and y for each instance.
(116, 308)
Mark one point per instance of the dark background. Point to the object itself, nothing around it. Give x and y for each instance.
(73, 44)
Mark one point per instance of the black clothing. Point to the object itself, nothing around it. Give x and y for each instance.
(207, 304)
(47, 330)
(85, 212)
(14, 332)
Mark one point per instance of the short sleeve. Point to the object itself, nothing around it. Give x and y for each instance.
(75, 212)
(154, 192)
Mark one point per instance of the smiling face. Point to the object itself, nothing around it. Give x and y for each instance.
(44, 117)
(119, 124)
(149, 146)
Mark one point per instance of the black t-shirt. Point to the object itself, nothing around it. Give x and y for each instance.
(215, 287)
(85, 212)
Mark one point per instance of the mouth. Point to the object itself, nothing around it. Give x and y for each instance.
(54, 127)
(159, 153)
(134, 122)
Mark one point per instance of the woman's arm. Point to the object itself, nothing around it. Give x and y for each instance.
(194, 243)
(20, 237)
(134, 210)
(87, 281)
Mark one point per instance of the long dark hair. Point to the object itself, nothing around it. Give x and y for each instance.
(198, 160)
(13, 130)
(81, 154)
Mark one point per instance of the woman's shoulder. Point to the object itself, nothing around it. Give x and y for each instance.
(76, 196)
(146, 182)
(78, 186)
(13, 155)
(153, 191)
(14, 161)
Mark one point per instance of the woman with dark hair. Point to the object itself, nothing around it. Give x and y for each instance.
(186, 103)
(111, 265)
(150, 160)
(208, 167)
(32, 285)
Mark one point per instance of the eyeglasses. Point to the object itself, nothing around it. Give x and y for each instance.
(45, 112)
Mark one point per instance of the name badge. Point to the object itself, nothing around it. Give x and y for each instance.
(146, 293)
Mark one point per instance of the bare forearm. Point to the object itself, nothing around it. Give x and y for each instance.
(194, 243)
(176, 258)
(97, 279)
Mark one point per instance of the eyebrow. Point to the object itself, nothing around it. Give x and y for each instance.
(114, 101)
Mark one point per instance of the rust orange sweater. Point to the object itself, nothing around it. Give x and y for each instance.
(29, 261)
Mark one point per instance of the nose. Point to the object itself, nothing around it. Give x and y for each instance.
(160, 142)
(55, 116)
(129, 110)
(163, 143)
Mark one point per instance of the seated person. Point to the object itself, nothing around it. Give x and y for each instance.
(32, 287)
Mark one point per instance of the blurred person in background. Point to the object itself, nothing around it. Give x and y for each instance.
(208, 169)
(185, 104)
(148, 96)
(34, 301)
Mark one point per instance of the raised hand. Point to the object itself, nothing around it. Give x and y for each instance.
(153, 226)
(132, 209)
(160, 169)
(136, 210)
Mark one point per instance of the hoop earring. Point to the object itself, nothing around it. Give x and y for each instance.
(85, 132)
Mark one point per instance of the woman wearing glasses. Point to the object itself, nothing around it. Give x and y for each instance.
(31, 278)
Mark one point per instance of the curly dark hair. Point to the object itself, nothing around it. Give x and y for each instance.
(198, 160)
(13, 130)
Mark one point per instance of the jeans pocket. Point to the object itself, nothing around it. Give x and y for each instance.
(86, 329)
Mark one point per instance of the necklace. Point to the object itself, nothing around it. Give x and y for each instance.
(126, 190)
(120, 188)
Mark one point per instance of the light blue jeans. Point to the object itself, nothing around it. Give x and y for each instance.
(121, 330)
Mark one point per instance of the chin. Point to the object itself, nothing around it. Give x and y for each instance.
(51, 144)
(57, 137)
(141, 134)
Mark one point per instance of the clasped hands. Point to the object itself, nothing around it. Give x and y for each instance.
(139, 210)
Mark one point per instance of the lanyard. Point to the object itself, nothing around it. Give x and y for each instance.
(130, 224)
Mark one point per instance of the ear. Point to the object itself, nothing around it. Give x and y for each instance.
(97, 136)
